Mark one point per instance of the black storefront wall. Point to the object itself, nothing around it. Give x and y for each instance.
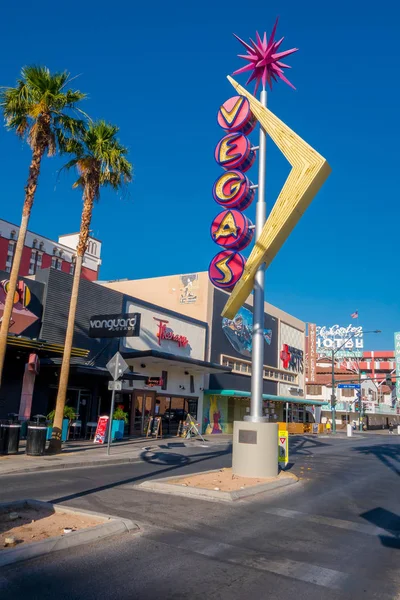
(233, 338)
(16, 358)
(93, 299)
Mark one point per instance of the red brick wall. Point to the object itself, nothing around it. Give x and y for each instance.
(46, 261)
(3, 253)
(89, 274)
(66, 266)
(25, 261)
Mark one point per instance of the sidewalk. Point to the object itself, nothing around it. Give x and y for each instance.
(81, 453)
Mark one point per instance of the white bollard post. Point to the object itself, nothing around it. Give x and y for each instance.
(349, 430)
(398, 429)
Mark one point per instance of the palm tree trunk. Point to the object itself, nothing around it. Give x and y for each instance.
(30, 189)
(55, 442)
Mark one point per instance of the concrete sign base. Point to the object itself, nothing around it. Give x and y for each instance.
(255, 449)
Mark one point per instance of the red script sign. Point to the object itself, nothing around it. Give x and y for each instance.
(166, 333)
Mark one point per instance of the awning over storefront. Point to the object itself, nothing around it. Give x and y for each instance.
(271, 397)
(21, 341)
(154, 357)
(82, 369)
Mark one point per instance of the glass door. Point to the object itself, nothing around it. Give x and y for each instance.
(143, 407)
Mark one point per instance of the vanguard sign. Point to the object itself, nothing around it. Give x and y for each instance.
(107, 326)
(332, 338)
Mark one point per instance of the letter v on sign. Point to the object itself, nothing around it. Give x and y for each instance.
(309, 171)
(230, 115)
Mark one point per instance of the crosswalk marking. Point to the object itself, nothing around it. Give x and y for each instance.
(253, 559)
(322, 520)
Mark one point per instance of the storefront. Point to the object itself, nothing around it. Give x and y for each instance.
(170, 353)
(230, 345)
(166, 356)
(227, 398)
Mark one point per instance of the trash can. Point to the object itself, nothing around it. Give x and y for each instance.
(10, 431)
(36, 436)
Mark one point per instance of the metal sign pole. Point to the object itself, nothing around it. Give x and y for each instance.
(116, 367)
(110, 422)
(257, 354)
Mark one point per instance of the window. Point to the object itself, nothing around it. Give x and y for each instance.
(314, 390)
(244, 367)
(41, 245)
(35, 262)
(13, 234)
(72, 268)
(347, 393)
(56, 263)
(34, 243)
(10, 254)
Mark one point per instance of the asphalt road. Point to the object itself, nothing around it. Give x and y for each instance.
(335, 534)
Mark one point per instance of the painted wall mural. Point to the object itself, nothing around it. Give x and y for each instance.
(239, 331)
(215, 414)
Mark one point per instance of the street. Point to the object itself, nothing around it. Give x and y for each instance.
(335, 534)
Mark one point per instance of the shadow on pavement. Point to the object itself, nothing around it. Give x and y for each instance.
(385, 519)
(157, 458)
(305, 445)
(388, 454)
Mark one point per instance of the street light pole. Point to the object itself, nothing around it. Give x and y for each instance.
(333, 396)
(257, 354)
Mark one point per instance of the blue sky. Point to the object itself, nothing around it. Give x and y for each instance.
(158, 70)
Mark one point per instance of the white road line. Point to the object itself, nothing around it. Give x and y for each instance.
(322, 520)
(254, 559)
(244, 557)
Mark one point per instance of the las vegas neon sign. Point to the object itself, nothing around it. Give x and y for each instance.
(231, 229)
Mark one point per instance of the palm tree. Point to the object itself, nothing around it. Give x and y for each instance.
(101, 162)
(41, 111)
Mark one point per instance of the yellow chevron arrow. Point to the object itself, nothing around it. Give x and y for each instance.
(309, 171)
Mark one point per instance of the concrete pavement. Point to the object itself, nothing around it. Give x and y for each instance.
(334, 535)
(87, 454)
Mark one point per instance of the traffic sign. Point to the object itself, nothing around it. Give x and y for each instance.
(349, 386)
(117, 366)
(283, 447)
(115, 385)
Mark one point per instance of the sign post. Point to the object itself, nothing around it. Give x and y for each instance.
(117, 367)
(283, 447)
(397, 359)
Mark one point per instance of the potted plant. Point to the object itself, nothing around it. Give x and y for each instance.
(69, 415)
(120, 417)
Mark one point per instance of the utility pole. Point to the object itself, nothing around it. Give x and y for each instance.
(333, 395)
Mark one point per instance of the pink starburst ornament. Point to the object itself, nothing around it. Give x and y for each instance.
(264, 60)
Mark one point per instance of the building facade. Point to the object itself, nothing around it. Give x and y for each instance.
(166, 359)
(353, 367)
(41, 253)
(227, 395)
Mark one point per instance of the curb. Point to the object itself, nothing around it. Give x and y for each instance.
(163, 487)
(111, 526)
(75, 465)
(95, 463)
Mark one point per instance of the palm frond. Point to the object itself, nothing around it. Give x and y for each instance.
(100, 159)
(41, 109)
